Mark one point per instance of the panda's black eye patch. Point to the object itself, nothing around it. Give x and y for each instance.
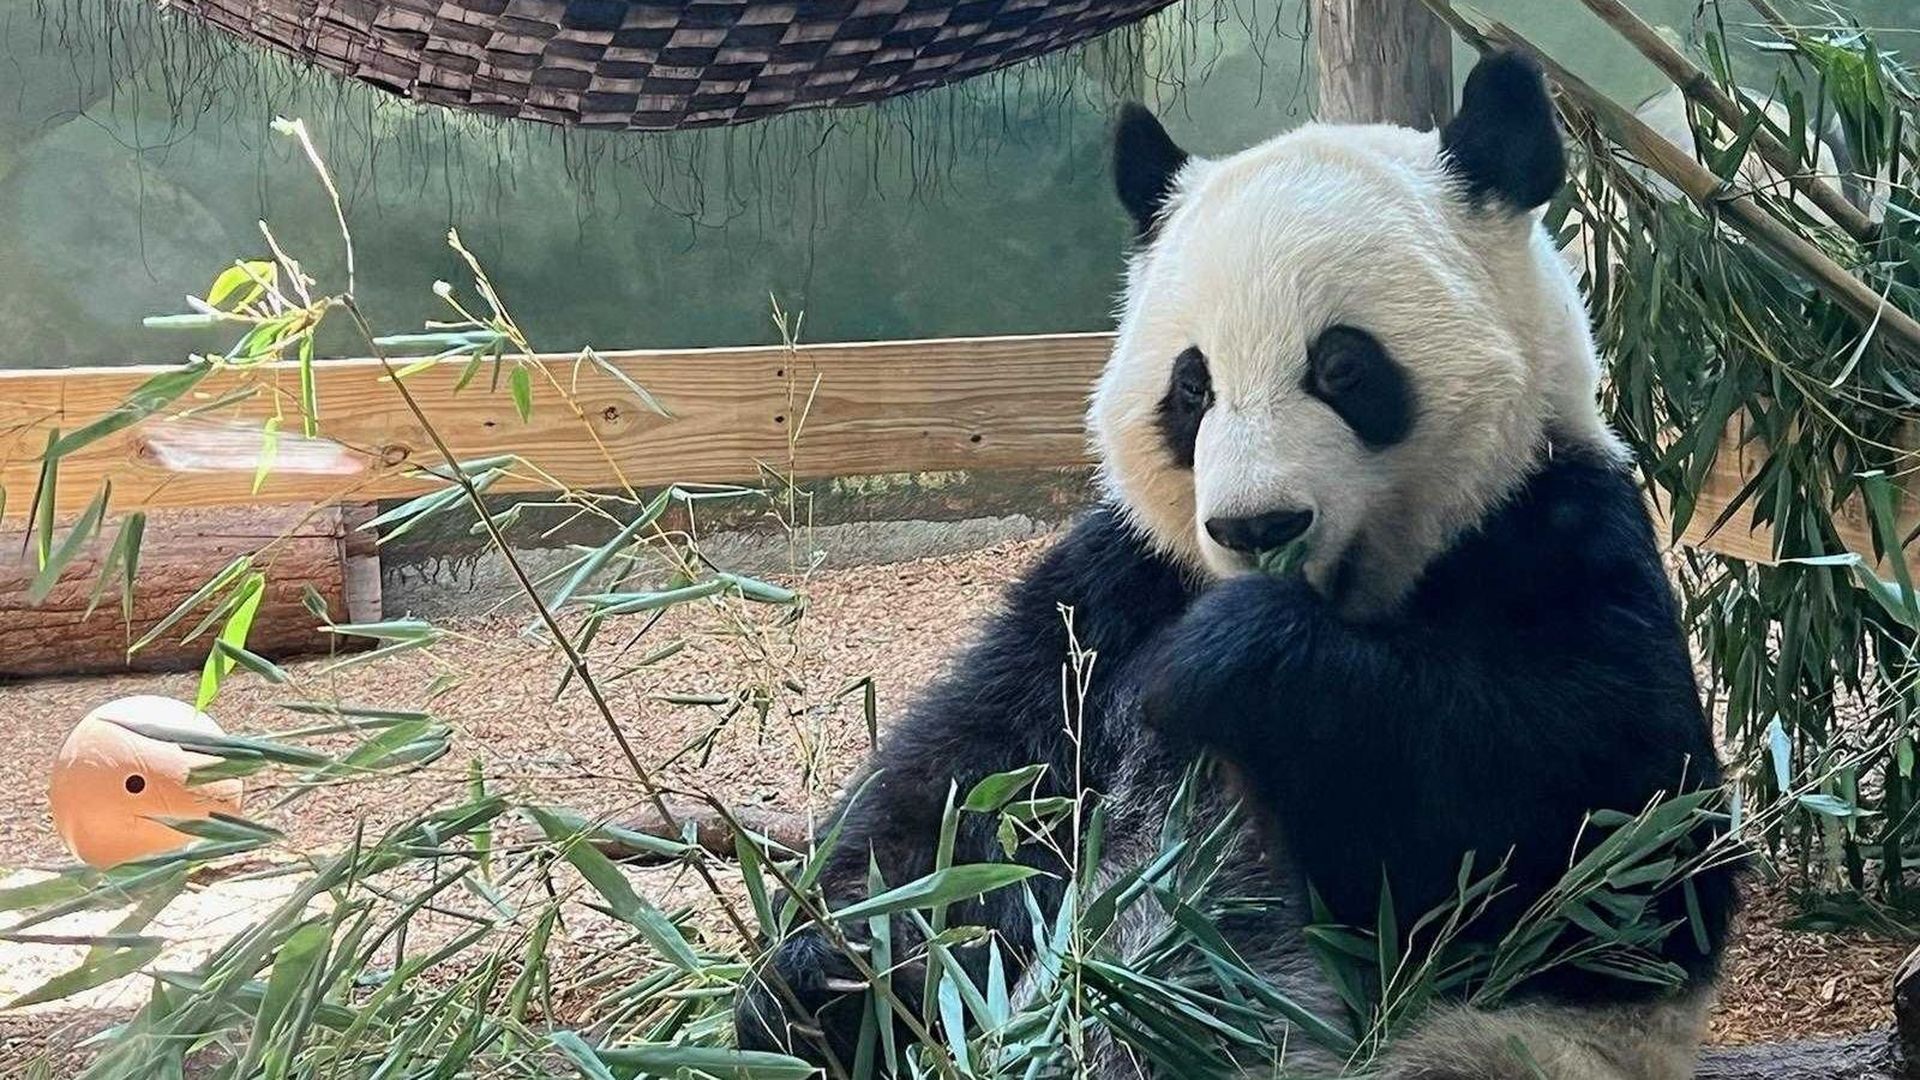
(1350, 371)
(1189, 395)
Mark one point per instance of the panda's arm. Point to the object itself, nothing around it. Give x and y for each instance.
(1404, 749)
(963, 731)
(999, 709)
(889, 823)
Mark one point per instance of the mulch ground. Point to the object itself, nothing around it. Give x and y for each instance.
(758, 711)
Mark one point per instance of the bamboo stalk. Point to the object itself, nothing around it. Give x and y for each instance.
(1679, 168)
(1698, 86)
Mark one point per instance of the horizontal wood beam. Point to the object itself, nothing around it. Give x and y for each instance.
(1735, 465)
(814, 411)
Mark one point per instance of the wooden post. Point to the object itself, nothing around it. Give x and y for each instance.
(1382, 61)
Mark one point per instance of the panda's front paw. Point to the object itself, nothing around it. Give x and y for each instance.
(1209, 678)
(806, 994)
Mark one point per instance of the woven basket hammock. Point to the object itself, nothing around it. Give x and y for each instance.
(631, 64)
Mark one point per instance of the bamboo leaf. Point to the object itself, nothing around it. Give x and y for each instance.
(269, 450)
(294, 963)
(628, 603)
(84, 529)
(252, 661)
(233, 570)
(124, 559)
(520, 385)
(218, 664)
(229, 746)
(622, 902)
(949, 886)
(309, 391)
(148, 398)
(664, 1059)
(760, 591)
(44, 497)
(248, 275)
(669, 1059)
(613, 371)
(995, 791)
(191, 321)
(94, 972)
(412, 630)
(601, 556)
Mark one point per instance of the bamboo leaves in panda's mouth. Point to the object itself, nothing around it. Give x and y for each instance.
(1284, 561)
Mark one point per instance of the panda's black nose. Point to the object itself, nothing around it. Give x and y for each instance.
(1261, 532)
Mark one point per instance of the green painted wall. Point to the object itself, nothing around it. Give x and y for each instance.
(135, 160)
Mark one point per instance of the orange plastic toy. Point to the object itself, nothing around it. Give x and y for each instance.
(109, 784)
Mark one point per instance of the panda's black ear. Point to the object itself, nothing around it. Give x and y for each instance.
(1504, 142)
(1145, 161)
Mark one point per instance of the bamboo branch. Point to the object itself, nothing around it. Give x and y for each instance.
(1772, 17)
(1698, 86)
(1679, 168)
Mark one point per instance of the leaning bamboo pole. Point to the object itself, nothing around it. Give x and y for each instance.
(1698, 86)
(1678, 167)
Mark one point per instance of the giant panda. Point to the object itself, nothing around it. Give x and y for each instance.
(1360, 340)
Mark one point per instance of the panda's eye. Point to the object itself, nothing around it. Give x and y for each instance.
(1192, 381)
(1350, 370)
(1338, 371)
(1188, 396)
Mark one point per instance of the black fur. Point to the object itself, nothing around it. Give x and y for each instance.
(1349, 370)
(999, 710)
(1538, 672)
(1504, 143)
(1145, 162)
(1189, 395)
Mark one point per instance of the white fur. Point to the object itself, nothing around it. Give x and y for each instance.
(1258, 253)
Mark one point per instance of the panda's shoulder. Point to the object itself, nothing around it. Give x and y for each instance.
(1104, 574)
(1098, 588)
(1574, 543)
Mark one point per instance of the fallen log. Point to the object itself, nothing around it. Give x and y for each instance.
(319, 550)
(1858, 1057)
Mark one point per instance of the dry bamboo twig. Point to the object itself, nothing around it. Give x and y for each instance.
(712, 831)
(1679, 168)
(1772, 17)
(1698, 86)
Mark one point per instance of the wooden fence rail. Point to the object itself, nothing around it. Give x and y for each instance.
(881, 407)
(884, 407)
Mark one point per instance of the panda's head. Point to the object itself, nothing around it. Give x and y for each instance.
(1356, 334)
